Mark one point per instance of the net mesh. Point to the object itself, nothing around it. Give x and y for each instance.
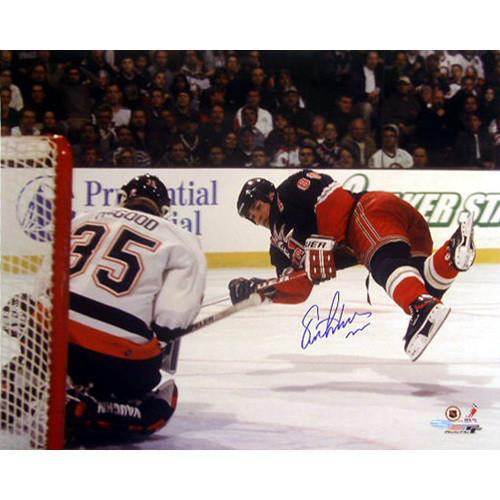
(27, 223)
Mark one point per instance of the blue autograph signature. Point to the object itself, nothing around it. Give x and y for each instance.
(323, 328)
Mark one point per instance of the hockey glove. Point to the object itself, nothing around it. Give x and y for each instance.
(319, 262)
(241, 288)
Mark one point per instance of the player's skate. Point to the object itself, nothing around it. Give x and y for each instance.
(462, 248)
(428, 314)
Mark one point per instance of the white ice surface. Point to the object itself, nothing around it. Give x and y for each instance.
(245, 382)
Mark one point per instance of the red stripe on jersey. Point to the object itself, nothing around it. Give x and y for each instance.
(333, 214)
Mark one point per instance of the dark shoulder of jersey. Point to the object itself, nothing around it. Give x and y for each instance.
(293, 218)
(299, 193)
(296, 198)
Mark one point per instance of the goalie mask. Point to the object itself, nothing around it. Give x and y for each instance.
(254, 189)
(149, 187)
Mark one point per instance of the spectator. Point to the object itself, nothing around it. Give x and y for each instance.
(288, 154)
(89, 138)
(213, 132)
(367, 84)
(38, 75)
(114, 98)
(160, 65)
(455, 80)
(95, 64)
(346, 158)
(420, 159)
(237, 86)
(433, 129)
(99, 88)
(183, 106)
(490, 105)
(430, 74)
(10, 116)
(473, 146)
(249, 120)
(390, 155)
(27, 121)
(106, 130)
(494, 131)
(260, 158)
(402, 109)
(214, 96)
(317, 131)
(54, 71)
(194, 70)
(264, 122)
(75, 98)
(284, 83)
(139, 128)
(50, 125)
(261, 83)
(471, 60)
(216, 156)
(342, 114)
(90, 158)
(38, 102)
(275, 140)
(176, 156)
(6, 130)
(246, 144)
(327, 153)
(125, 157)
(297, 117)
(190, 137)
(126, 141)
(159, 82)
(141, 69)
(359, 143)
(400, 68)
(16, 102)
(230, 146)
(471, 107)
(130, 83)
(307, 157)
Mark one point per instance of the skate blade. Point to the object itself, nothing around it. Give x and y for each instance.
(418, 344)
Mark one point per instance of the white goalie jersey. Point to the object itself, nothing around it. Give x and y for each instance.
(130, 269)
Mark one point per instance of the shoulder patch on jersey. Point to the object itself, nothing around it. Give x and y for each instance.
(313, 175)
(281, 207)
(303, 184)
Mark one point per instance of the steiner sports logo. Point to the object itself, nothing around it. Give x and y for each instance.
(453, 424)
(34, 208)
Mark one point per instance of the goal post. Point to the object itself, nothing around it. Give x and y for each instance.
(35, 222)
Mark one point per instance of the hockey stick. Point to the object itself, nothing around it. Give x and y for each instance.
(254, 300)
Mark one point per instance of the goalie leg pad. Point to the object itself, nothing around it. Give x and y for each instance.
(89, 417)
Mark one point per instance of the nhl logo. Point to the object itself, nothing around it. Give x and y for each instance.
(453, 413)
(34, 208)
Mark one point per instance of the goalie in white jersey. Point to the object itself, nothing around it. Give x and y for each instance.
(135, 280)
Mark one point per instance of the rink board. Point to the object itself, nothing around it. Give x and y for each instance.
(204, 202)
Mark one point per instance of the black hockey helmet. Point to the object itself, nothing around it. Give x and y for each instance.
(146, 186)
(254, 189)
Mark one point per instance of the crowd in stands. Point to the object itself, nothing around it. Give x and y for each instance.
(321, 109)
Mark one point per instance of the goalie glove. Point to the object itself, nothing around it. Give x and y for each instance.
(319, 261)
(241, 288)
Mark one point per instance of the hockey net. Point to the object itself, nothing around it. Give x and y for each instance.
(35, 221)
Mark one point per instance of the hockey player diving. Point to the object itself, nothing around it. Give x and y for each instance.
(319, 226)
(135, 279)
